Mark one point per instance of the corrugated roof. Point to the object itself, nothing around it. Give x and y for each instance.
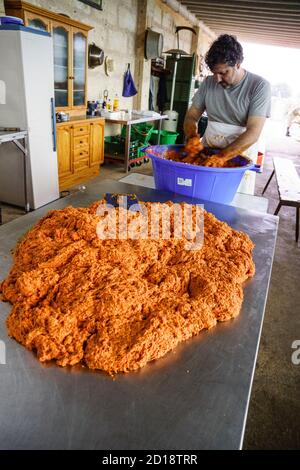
(266, 22)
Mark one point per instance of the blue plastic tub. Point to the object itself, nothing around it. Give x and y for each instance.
(210, 184)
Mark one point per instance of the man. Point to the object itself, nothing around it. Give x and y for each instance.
(236, 101)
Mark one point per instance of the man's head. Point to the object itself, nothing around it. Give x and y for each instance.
(224, 59)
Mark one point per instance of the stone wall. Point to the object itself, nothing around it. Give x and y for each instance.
(119, 30)
(114, 31)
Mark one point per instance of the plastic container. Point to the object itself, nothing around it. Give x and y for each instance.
(210, 184)
(109, 105)
(115, 145)
(116, 103)
(141, 132)
(170, 124)
(166, 137)
(11, 20)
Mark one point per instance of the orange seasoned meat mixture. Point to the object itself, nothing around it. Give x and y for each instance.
(114, 304)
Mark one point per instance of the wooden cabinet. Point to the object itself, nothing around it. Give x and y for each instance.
(69, 52)
(37, 22)
(64, 151)
(97, 144)
(80, 150)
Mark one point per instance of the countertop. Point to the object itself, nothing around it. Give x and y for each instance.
(80, 119)
(195, 397)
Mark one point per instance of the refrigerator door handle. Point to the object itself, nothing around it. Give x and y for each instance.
(53, 124)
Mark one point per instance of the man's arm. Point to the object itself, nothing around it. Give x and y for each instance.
(191, 119)
(254, 127)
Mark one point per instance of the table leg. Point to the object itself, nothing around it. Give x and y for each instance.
(159, 130)
(127, 147)
(27, 208)
(297, 223)
(268, 182)
(277, 209)
(24, 150)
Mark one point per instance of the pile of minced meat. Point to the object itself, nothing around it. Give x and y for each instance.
(114, 304)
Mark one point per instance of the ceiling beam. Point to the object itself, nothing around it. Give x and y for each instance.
(248, 9)
(268, 22)
(255, 3)
(258, 32)
(245, 37)
(241, 14)
(253, 24)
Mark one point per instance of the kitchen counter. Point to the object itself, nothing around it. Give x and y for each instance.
(80, 120)
(196, 397)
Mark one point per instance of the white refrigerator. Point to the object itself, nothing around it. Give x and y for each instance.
(27, 103)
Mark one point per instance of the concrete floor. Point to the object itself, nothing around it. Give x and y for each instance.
(274, 412)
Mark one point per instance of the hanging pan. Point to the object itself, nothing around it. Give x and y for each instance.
(95, 56)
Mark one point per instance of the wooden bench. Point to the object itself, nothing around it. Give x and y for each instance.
(288, 185)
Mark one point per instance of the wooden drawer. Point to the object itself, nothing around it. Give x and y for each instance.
(81, 154)
(81, 129)
(81, 164)
(82, 141)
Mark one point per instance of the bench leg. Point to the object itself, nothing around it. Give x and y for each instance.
(268, 182)
(277, 209)
(297, 223)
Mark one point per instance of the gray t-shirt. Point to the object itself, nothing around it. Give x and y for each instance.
(233, 105)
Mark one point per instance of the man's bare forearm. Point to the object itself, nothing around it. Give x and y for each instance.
(190, 127)
(242, 143)
(255, 125)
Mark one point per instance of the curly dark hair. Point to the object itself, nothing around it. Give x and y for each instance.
(225, 50)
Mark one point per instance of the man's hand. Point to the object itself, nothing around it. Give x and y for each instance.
(193, 146)
(219, 159)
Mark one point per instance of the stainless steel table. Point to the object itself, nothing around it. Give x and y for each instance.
(128, 123)
(15, 137)
(194, 398)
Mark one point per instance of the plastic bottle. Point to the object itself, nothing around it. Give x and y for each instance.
(109, 105)
(116, 103)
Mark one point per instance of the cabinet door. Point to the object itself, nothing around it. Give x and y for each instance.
(61, 54)
(97, 143)
(37, 22)
(79, 67)
(64, 151)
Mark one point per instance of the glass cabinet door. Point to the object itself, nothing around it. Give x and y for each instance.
(60, 53)
(36, 23)
(79, 68)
